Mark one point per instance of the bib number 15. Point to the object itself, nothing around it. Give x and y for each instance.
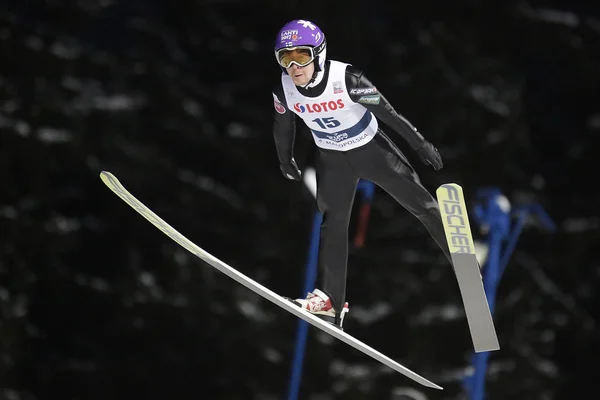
(327, 122)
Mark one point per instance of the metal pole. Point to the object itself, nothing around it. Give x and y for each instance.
(367, 189)
(302, 331)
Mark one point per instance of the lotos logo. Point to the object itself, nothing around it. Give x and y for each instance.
(319, 107)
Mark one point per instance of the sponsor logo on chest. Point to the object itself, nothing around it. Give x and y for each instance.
(317, 107)
(337, 87)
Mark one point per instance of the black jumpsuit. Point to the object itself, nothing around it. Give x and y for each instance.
(338, 172)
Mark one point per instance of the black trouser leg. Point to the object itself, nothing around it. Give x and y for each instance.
(388, 168)
(336, 188)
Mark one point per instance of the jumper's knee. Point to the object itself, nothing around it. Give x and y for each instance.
(430, 209)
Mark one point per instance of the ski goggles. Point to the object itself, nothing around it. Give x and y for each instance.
(299, 55)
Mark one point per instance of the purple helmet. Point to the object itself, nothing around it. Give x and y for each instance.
(300, 32)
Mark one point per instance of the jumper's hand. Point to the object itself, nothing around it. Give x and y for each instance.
(290, 170)
(429, 155)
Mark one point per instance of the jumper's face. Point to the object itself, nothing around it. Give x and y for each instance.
(298, 61)
(301, 75)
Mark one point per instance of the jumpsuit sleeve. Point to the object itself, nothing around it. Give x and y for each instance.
(284, 127)
(362, 91)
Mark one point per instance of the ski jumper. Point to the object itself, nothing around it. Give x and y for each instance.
(341, 113)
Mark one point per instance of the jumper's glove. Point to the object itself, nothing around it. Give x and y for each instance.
(290, 170)
(429, 155)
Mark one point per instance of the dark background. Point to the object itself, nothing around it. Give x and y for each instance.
(174, 98)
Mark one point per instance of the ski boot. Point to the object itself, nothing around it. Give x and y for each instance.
(319, 304)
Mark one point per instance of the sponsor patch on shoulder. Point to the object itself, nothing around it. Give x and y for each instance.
(363, 91)
(372, 99)
(278, 106)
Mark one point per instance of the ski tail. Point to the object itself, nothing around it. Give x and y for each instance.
(466, 267)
